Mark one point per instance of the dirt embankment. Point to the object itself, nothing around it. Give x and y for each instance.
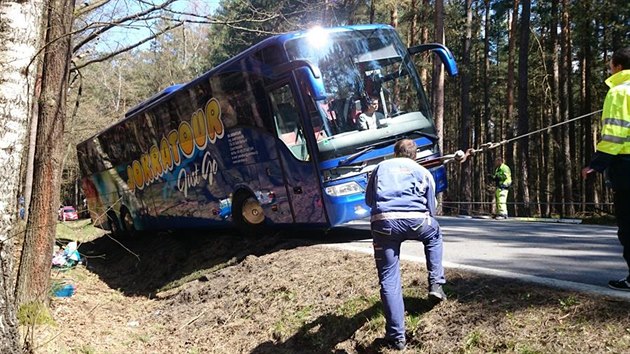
(223, 293)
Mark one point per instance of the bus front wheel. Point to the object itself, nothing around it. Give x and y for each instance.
(248, 214)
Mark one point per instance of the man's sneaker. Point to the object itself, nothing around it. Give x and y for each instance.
(501, 217)
(436, 292)
(398, 344)
(622, 284)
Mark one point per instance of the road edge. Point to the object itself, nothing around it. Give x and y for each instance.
(550, 282)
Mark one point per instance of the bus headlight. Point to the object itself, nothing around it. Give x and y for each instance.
(344, 189)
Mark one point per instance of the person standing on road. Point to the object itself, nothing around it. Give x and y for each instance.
(401, 194)
(503, 179)
(613, 151)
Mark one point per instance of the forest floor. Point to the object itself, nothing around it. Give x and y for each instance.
(223, 293)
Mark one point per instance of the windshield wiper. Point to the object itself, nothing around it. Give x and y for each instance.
(348, 160)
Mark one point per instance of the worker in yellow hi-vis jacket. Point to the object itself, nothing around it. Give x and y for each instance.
(503, 179)
(613, 151)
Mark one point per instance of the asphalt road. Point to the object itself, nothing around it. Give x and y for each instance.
(572, 256)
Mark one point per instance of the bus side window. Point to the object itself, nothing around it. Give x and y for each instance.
(287, 122)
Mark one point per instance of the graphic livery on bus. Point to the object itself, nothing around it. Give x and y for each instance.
(270, 137)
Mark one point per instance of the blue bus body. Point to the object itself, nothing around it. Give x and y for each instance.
(269, 137)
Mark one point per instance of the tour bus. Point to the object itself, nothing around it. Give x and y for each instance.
(268, 138)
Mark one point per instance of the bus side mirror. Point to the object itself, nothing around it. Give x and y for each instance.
(444, 53)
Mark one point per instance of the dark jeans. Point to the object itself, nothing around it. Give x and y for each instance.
(387, 236)
(622, 214)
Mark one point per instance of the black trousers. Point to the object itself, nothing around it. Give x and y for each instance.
(622, 214)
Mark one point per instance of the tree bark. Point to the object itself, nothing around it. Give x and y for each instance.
(523, 104)
(424, 36)
(372, 10)
(587, 147)
(437, 82)
(438, 74)
(19, 39)
(488, 119)
(28, 174)
(509, 116)
(510, 67)
(554, 179)
(565, 70)
(34, 272)
(393, 16)
(464, 137)
(413, 24)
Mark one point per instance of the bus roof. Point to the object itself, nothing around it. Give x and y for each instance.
(153, 98)
(282, 38)
(230, 64)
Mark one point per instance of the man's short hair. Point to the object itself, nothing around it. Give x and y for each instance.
(405, 148)
(371, 99)
(622, 57)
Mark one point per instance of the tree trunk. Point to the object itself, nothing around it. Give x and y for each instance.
(510, 70)
(393, 16)
(586, 62)
(438, 74)
(34, 272)
(555, 179)
(19, 39)
(464, 137)
(488, 119)
(28, 174)
(413, 24)
(437, 82)
(372, 10)
(566, 62)
(424, 36)
(509, 117)
(27, 187)
(523, 104)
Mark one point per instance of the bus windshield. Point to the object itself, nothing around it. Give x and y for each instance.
(373, 90)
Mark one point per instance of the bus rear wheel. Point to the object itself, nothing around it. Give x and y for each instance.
(248, 214)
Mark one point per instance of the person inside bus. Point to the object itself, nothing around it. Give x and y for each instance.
(331, 123)
(371, 118)
(401, 195)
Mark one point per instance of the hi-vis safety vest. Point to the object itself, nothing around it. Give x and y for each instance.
(503, 176)
(615, 135)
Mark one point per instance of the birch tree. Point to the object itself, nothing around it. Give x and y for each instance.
(19, 37)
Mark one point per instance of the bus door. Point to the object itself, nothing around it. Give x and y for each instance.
(300, 174)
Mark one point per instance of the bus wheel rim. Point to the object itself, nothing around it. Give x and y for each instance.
(253, 212)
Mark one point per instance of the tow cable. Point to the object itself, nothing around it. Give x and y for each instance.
(461, 156)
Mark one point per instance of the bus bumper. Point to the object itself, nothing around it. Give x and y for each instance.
(345, 209)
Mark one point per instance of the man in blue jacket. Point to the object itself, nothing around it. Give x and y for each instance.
(401, 194)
